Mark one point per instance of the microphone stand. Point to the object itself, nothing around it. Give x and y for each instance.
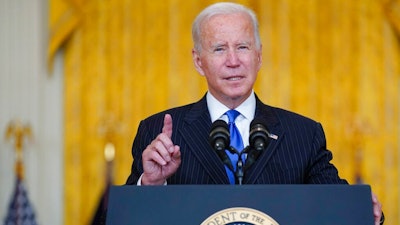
(239, 170)
(239, 173)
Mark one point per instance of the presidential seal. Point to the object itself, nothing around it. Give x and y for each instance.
(239, 216)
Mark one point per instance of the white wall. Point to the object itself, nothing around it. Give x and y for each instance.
(29, 93)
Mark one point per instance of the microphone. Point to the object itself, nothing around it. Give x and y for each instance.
(219, 140)
(258, 140)
(259, 135)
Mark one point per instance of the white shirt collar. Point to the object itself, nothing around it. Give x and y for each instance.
(217, 109)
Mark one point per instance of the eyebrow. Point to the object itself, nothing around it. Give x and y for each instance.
(237, 44)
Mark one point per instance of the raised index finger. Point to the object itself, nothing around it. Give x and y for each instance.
(167, 128)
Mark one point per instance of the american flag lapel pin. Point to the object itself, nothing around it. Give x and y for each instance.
(273, 136)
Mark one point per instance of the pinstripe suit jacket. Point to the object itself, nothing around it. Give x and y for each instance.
(297, 156)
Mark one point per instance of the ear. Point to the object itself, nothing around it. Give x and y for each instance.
(259, 57)
(197, 61)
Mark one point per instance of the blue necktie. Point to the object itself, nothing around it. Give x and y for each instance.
(236, 142)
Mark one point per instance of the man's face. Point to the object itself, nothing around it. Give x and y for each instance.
(229, 57)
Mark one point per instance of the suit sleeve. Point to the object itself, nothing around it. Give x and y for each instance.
(140, 142)
(321, 170)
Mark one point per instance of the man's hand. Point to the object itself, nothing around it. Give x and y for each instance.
(161, 158)
(377, 210)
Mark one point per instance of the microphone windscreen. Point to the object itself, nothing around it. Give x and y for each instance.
(219, 134)
(259, 135)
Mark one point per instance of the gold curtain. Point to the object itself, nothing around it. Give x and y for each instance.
(336, 61)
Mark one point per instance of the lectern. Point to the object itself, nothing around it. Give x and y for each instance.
(240, 205)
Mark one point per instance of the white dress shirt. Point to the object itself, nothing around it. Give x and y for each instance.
(247, 110)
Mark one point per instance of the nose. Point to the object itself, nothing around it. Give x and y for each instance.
(232, 59)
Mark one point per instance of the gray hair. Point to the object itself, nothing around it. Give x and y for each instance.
(223, 8)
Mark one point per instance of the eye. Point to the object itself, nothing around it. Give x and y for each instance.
(219, 49)
(243, 47)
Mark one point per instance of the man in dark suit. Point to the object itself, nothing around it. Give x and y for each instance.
(172, 147)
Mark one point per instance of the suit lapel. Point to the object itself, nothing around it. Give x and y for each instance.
(195, 132)
(271, 121)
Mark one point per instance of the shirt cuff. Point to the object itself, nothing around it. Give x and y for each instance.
(139, 182)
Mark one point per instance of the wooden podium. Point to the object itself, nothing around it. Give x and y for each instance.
(239, 205)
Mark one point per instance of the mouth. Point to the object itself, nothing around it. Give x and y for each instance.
(234, 78)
